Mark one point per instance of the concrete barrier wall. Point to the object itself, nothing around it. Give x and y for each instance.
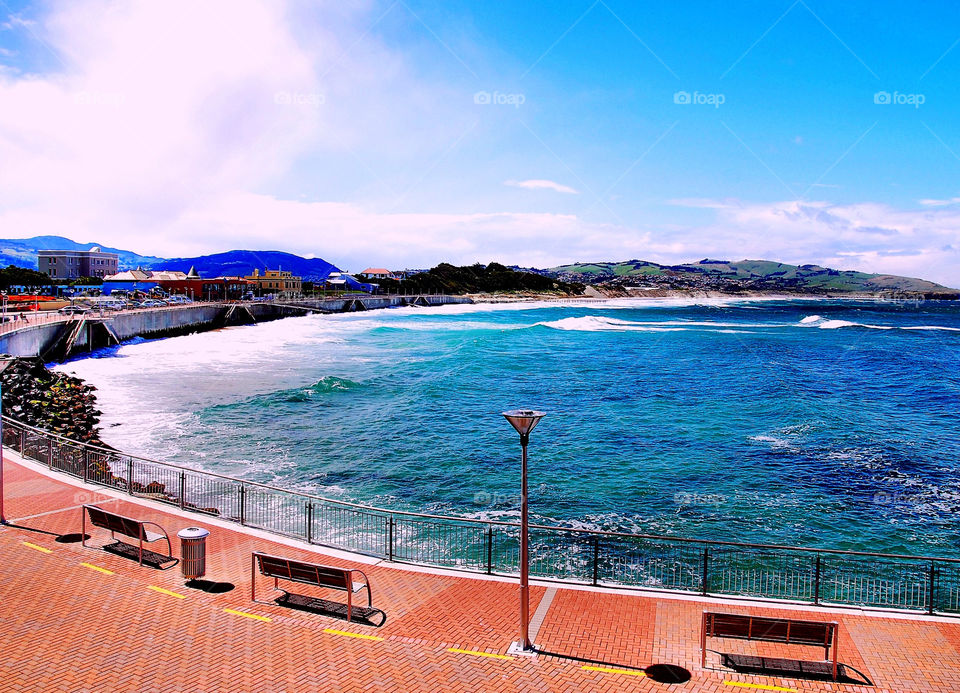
(34, 340)
(146, 322)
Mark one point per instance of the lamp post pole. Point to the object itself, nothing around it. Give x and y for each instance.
(524, 421)
(525, 643)
(4, 363)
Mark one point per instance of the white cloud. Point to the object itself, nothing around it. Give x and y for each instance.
(869, 237)
(940, 203)
(538, 184)
(170, 125)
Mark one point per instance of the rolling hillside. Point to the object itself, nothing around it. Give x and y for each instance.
(745, 275)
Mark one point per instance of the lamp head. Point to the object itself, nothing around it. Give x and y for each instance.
(524, 420)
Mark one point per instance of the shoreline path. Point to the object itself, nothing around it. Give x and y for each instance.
(77, 619)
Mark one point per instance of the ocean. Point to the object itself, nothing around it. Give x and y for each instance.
(824, 423)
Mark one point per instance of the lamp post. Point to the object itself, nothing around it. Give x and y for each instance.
(4, 363)
(524, 421)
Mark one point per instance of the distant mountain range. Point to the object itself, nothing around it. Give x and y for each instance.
(240, 263)
(745, 275)
(22, 252)
(706, 275)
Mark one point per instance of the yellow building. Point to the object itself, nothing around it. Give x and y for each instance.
(275, 281)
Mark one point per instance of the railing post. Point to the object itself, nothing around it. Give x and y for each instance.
(390, 538)
(933, 586)
(183, 487)
(309, 509)
(243, 504)
(49, 453)
(706, 563)
(86, 465)
(489, 549)
(816, 580)
(21, 441)
(596, 560)
(130, 475)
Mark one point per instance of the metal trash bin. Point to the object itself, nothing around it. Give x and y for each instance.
(193, 552)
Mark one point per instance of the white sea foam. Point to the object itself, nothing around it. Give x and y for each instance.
(826, 324)
(594, 323)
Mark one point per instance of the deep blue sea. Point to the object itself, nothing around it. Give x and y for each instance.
(815, 423)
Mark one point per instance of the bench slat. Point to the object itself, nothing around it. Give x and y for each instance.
(307, 573)
(769, 629)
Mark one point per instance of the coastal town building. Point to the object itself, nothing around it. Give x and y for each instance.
(72, 264)
(139, 280)
(341, 281)
(274, 281)
(210, 289)
(378, 273)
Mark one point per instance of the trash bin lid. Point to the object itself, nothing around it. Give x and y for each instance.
(193, 533)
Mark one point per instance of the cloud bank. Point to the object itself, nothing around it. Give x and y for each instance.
(173, 129)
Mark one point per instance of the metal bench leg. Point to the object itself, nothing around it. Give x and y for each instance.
(350, 602)
(836, 636)
(83, 527)
(703, 642)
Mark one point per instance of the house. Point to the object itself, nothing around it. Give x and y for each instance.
(378, 273)
(274, 282)
(71, 264)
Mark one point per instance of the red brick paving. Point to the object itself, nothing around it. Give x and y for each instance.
(64, 626)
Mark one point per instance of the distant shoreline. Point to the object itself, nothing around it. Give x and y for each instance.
(599, 294)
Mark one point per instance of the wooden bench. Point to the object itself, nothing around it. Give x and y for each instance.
(778, 630)
(128, 527)
(308, 574)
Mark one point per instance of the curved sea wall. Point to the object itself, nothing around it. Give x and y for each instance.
(56, 340)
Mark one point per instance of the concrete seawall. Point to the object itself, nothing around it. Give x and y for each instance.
(57, 340)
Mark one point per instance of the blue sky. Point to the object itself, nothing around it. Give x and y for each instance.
(411, 132)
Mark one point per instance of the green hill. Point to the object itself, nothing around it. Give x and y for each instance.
(746, 275)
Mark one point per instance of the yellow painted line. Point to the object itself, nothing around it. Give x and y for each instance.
(167, 592)
(244, 613)
(608, 670)
(760, 686)
(351, 635)
(41, 549)
(97, 568)
(478, 654)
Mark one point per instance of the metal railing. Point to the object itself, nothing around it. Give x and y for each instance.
(815, 576)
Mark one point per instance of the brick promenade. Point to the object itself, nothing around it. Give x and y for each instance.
(83, 619)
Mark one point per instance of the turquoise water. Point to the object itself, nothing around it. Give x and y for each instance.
(816, 423)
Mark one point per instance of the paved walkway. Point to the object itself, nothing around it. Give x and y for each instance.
(76, 618)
